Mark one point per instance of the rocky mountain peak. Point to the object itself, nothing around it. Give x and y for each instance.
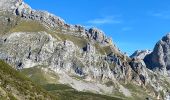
(166, 38)
(160, 57)
(97, 34)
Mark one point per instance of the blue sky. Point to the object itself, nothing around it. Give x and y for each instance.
(132, 24)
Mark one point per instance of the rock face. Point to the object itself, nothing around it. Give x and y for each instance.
(37, 38)
(24, 50)
(9, 5)
(140, 54)
(160, 57)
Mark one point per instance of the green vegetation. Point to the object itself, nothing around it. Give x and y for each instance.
(109, 83)
(16, 86)
(35, 26)
(107, 49)
(104, 50)
(119, 94)
(63, 92)
(138, 92)
(166, 83)
(7, 22)
(52, 87)
(36, 74)
(99, 49)
(67, 93)
(76, 40)
(28, 26)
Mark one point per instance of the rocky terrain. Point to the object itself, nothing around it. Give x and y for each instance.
(160, 57)
(140, 54)
(51, 52)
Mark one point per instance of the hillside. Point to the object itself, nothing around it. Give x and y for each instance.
(16, 86)
(72, 62)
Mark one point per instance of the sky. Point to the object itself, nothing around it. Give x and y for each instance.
(132, 24)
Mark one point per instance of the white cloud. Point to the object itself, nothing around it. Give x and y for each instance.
(105, 20)
(161, 14)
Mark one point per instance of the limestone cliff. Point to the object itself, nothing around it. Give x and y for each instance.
(85, 59)
(159, 59)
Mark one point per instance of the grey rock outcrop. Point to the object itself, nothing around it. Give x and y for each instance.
(9, 5)
(159, 59)
(30, 49)
(140, 54)
(96, 34)
(76, 51)
(24, 50)
(50, 20)
(23, 10)
(140, 70)
(99, 36)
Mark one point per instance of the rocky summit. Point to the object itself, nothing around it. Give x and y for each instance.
(159, 59)
(70, 61)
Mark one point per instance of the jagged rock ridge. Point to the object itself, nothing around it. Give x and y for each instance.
(38, 38)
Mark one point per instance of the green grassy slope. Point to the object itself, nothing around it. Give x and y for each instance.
(67, 93)
(15, 86)
(63, 92)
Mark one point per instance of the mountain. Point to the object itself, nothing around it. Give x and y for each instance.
(159, 59)
(70, 61)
